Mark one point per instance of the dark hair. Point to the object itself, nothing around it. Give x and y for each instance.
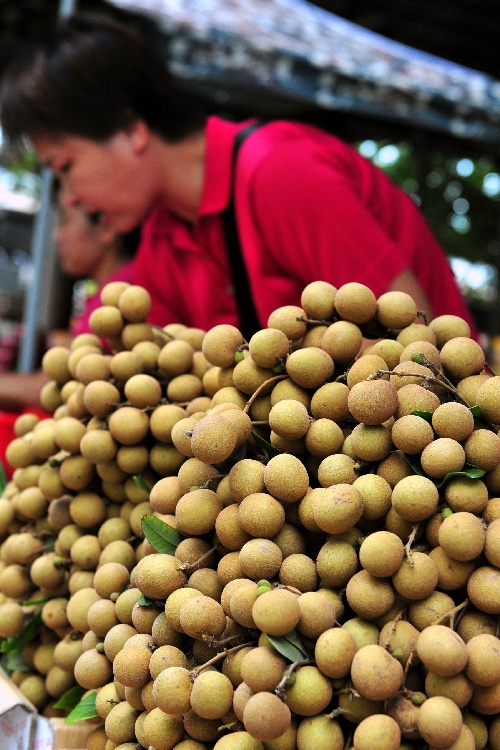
(92, 78)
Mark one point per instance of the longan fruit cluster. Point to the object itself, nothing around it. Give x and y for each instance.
(329, 490)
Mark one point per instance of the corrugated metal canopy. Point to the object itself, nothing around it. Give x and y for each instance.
(294, 50)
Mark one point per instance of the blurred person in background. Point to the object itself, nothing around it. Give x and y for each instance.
(87, 250)
(102, 111)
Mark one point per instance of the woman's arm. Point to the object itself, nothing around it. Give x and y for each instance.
(21, 390)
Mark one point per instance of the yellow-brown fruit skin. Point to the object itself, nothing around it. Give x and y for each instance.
(158, 575)
(373, 401)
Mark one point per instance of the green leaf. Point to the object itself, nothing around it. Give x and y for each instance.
(414, 462)
(14, 661)
(11, 645)
(34, 602)
(476, 411)
(427, 415)
(141, 483)
(294, 638)
(473, 472)
(85, 709)
(71, 698)
(287, 646)
(3, 478)
(269, 449)
(144, 601)
(160, 535)
(238, 454)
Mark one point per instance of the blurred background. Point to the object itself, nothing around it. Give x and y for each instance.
(414, 90)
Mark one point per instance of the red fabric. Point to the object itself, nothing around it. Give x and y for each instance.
(7, 434)
(309, 207)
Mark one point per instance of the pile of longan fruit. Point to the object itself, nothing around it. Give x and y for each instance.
(291, 542)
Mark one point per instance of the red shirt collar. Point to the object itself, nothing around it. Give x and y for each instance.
(220, 135)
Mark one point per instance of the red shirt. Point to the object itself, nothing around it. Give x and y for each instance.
(309, 207)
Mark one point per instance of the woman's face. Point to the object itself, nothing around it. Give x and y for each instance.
(81, 244)
(108, 179)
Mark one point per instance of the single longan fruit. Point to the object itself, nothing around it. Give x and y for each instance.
(265, 716)
(276, 612)
(371, 442)
(318, 300)
(286, 478)
(260, 559)
(269, 347)
(342, 340)
(289, 419)
(376, 674)
(377, 732)
(368, 596)
(134, 304)
(442, 650)
(290, 320)
(200, 616)
(55, 364)
(396, 309)
(372, 401)
(421, 352)
(415, 498)
(482, 449)
(337, 508)
(355, 302)
(310, 692)
(416, 332)
(416, 579)
(128, 425)
(381, 553)
(220, 345)
(212, 695)
(334, 652)
(462, 357)
(483, 665)
(453, 420)
(157, 575)
(143, 390)
(462, 536)
(214, 438)
(411, 434)
(483, 589)
(431, 726)
(310, 367)
(446, 327)
(441, 457)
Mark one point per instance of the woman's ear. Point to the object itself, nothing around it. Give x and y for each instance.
(139, 135)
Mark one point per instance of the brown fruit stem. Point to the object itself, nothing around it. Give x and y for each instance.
(313, 322)
(163, 333)
(442, 380)
(451, 614)
(409, 543)
(191, 567)
(261, 387)
(387, 641)
(280, 687)
(196, 671)
(406, 692)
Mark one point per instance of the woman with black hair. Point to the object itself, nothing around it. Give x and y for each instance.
(103, 112)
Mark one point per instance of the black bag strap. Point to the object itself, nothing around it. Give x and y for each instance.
(249, 320)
